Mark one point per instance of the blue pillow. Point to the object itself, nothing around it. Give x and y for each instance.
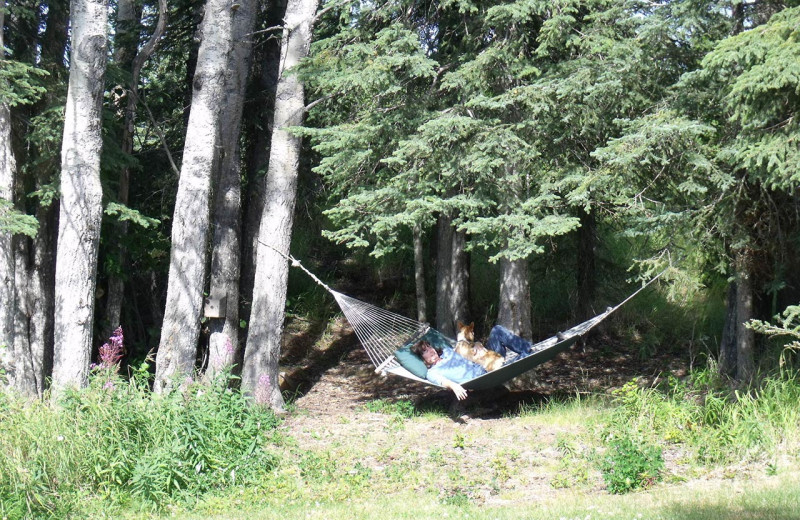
(411, 362)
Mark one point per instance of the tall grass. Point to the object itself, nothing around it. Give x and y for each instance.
(715, 424)
(118, 443)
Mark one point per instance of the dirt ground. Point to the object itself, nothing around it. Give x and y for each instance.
(503, 457)
(330, 375)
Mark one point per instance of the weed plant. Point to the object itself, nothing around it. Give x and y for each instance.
(714, 423)
(117, 443)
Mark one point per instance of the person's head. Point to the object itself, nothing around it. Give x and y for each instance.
(429, 355)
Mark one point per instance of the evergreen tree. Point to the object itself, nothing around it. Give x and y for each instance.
(720, 161)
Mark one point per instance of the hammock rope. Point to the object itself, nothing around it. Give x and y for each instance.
(382, 332)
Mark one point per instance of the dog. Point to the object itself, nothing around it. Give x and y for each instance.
(474, 351)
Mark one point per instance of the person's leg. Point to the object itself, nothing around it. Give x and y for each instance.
(508, 340)
(495, 341)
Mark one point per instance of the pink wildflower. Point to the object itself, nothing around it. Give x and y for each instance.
(111, 352)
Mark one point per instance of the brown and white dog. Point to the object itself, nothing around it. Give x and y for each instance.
(474, 351)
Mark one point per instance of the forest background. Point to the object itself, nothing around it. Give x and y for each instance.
(509, 162)
(525, 163)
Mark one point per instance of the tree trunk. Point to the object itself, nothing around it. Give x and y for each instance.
(587, 245)
(8, 169)
(81, 195)
(745, 337)
(177, 349)
(514, 312)
(128, 59)
(419, 275)
(260, 370)
(444, 267)
(225, 260)
(727, 346)
(34, 258)
(459, 279)
(259, 128)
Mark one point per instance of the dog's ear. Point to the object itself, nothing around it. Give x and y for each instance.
(460, 325)
(471, 325)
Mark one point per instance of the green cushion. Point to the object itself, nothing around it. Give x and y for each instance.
(411, 362)
(414, 363)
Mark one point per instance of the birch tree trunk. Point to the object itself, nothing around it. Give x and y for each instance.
(81, 195)
(177, 349)
(7, 175)
(260, 369)
(514, 312)
(225, 260)
(259, 129)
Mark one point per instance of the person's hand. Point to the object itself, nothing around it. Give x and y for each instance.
(457, 389)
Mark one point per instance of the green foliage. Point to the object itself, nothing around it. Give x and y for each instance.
(118, 442)
(20, 83)
(630, 465)
(714, 424)
(15, 222)
(126, 214)
(787, 326)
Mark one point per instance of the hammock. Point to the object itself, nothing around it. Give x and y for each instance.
(382, 332)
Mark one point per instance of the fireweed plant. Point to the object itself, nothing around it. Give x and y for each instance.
(118, 442)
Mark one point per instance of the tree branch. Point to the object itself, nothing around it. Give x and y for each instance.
(160, 136)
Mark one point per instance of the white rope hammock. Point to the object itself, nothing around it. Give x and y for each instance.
(382, 332)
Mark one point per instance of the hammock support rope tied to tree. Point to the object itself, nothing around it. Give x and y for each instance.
(382, 332)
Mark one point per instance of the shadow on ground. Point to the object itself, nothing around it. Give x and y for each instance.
(327, 357)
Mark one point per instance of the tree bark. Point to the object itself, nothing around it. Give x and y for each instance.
(745, 337)
(459, 279)
(34, 258)
(177, 349)
(8, 170)
(260, 370)
(444, 267)
(514, 312)
(587, 245)
(7, 174)
(419, 275)
(225, 260)
(727, 346)
(81, 195)
(452, 277)
(259, 128)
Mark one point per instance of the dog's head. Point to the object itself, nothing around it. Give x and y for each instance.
(466, 332)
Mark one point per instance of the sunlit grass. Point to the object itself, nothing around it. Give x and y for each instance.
(776, 498)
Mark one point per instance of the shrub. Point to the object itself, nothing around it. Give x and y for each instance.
(117, 441)
(628, 466)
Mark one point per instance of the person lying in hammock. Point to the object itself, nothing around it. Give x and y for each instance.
(446, 368)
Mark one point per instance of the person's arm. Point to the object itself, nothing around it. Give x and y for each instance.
(457, 389)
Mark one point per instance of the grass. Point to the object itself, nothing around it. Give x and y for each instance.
(775, 498)
(201, 452)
